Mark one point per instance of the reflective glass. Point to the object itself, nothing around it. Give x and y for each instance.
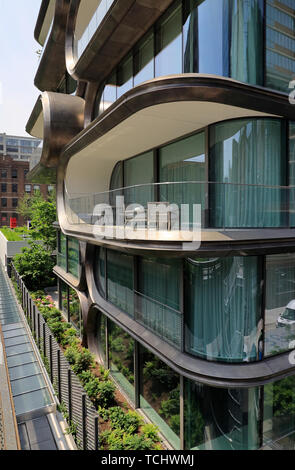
(144, 60)
(220, 419)
(120, 281)
(223, 313)
(160, 395)
(168, 58)
(279, 303)
(121, 355)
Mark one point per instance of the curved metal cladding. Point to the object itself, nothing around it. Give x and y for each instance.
(125, 22)
(63, 117)
(205, 372)
(172, 90)
(80, 283)
(52, 66)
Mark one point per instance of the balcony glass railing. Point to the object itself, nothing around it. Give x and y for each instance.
(185, 206)
(62, 261)
(163, 320)
(101, 11)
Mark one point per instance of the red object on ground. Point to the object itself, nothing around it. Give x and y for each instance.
(13, 222)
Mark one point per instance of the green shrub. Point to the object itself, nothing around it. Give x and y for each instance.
(106, 394)
(129, 421)
(92, 387)
(69, 334)
(71, 354)
(150, 431)
(83, 361)
(85, 376)
(58, 328)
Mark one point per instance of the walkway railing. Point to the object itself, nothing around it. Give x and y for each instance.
(70, 392)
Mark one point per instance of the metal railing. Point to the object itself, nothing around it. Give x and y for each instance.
(70, 392)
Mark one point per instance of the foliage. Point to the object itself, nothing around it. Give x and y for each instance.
(35, 265)
(150, 431)
(106, 394)
(10, 235)
(119, 440)
(129, 421)
(83, 361)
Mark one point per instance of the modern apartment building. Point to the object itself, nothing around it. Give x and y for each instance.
(18, 148)
(183, 106)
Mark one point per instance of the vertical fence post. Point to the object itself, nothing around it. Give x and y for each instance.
(59, 375)
(44, 340)
(38, 332)
(50, 358)
(96, 430)
(84, 421)
(34, 320)
(70, 393)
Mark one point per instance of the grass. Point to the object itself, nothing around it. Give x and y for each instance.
(14, 235)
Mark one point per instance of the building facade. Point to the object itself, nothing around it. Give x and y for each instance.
(14, 186)
(18, 148)
(169, 131)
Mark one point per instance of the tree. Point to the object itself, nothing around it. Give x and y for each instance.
(35, 265)
(42, 214)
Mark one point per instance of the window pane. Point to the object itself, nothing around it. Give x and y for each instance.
(121, 354)
(249, 154)
(139, 171)
(75, 311)
(125, 76)
(221, 419)
(223, 313)
(160, 396)
(100, 329)
(279, 303)
(120, 281)
(280, 44)
(73, 257)
(169, 45)
(279, 414)
(158, 302)
(144, 60)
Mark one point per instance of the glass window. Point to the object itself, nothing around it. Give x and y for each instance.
(120, 281)
(4, 188)
(62, 252)
(101, 325)
(14, 188)
(144, 60)
(109, 94)
(168, 58)
(36, 187)
(292, 171)
(180, 162)
(279, 303)
(100, 271)
(121, 356)
(75, 311)
(14, 202)
(251, 155)
(73, 257)
(280, 44)
(64, 298)
(220, 419)
(27, 188)
(223, 313)
(3, 173)
(125, 76)
(158, 297)
(4, 202)
(279, 414)
(139, 171)
(160, 396)
(14, 173)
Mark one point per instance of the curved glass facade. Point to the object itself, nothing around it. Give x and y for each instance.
(223, 308)
(245, 153)
(220, 37)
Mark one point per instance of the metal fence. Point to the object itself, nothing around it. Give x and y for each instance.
(70, 392)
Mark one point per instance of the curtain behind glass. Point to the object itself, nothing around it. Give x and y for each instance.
(120, 281)
(223, 308)
(249, 153)
(158, 304)
(183, 161)
(247, 41)
(292, 172)
(139, 171)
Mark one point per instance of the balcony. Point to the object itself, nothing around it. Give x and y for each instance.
(82, 39)
(184, 212)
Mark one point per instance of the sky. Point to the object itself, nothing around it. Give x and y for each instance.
(18, 64)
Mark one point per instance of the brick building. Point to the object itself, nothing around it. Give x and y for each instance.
(14, 186)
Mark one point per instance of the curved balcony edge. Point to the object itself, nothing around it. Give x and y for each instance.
(52, 66)
(124, 24)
